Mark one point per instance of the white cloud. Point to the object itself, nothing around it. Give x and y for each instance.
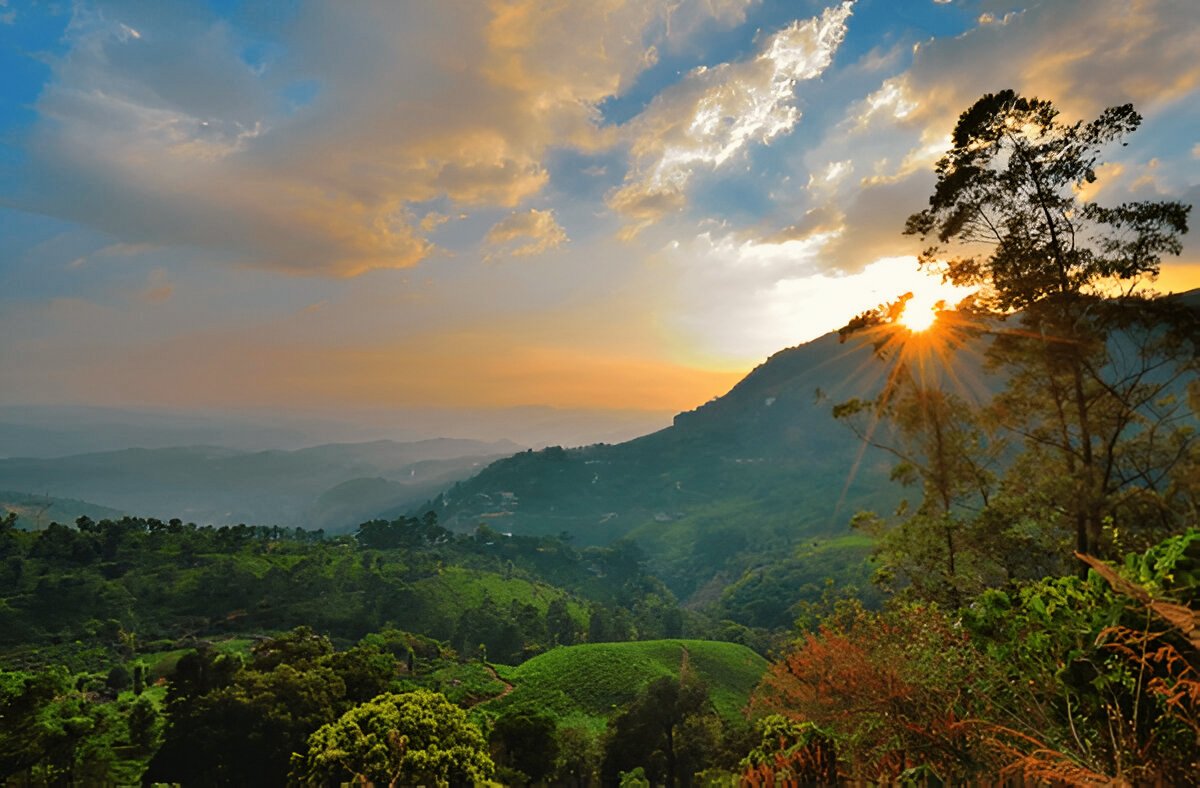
(831, 175)
(526, 233)
(891, 102)
(714, 113)
(1082, 54)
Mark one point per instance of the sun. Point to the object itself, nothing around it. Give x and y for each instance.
(920, 313)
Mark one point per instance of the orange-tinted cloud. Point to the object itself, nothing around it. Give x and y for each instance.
(525, 233)
(156, 129)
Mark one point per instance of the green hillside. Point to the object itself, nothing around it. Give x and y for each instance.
(458, 587)
(745, 480)
(585, 684)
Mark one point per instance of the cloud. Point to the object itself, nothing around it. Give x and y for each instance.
(432, 220)
(8, 15)
(715, 113)
(158, 127)
(538, 230)
(1082, 54)
(158, 287)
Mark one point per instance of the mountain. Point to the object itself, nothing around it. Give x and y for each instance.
(760, 480)
(60, 431)
(209, 484)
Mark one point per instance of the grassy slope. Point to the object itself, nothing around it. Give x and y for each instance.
(585, 684)
(457, 587)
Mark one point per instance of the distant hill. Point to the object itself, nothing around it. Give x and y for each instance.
(36, 511)
(586, 684)
(61, 431)
(40, 430)
(305, 487)
(760, 476)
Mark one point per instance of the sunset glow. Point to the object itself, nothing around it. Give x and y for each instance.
(921, 311)
(495, 205)
(918, 317)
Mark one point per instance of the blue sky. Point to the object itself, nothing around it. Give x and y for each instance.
(621, 204)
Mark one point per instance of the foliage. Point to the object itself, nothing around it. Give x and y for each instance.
(232, 719)
(670, 730)
(233, 722)
(466, 684)
(404, 532)
(409, 738)
(61, 729)
(790, 752)
(1063, 679)
(774, 595)
(938, 550)
(579, 755)
(892, 690)
(1095, 684)
(524, 745)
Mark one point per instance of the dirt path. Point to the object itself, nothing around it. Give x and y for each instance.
(507, 687)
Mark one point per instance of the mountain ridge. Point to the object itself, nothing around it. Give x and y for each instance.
(213, 484)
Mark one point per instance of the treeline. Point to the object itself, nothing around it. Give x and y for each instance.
(78, 595)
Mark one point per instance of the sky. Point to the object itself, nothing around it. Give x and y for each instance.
(615, 206)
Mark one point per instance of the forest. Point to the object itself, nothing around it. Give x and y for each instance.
(1030, 613)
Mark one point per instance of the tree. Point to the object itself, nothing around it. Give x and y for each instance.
(118, 678)
(144, 724)
(1095, 368)
(940, 446)
(525, 743)
(561, 628)
(578, 756)
(670, 730)
(246, 731)
(410, 738)
(300, 646)
(47, 724)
